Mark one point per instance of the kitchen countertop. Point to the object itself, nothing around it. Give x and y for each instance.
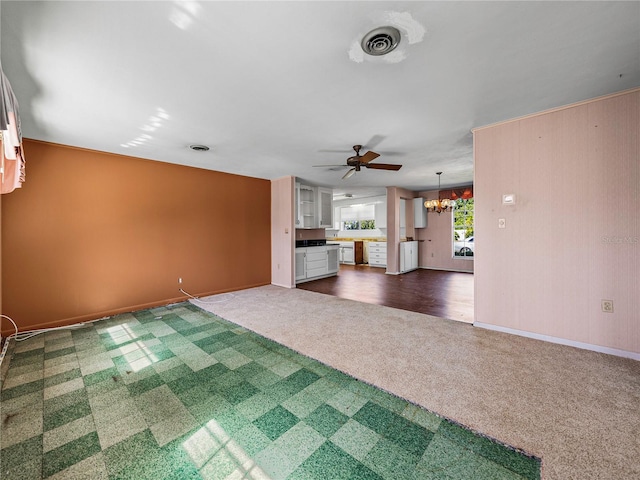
(344, 239)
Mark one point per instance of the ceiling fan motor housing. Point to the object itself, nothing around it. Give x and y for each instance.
(355, 160)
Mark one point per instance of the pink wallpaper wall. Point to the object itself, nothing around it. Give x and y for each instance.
(310, 233)
(573, 237)
(436, 250)
(282, 232)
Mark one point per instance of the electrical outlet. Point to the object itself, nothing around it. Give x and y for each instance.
(180, 281)
(607, 306)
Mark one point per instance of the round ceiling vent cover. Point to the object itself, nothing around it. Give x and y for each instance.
(381, 41)
(199, 148)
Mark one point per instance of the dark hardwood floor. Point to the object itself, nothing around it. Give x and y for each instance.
(434, 292)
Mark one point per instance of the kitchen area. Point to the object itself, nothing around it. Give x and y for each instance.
(334, 230)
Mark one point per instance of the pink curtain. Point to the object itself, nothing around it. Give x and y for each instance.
(12, 164)
(455, 193)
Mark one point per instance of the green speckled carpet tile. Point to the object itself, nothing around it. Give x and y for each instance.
(178, 393)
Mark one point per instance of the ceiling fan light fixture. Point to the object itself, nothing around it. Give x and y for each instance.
(380, 41)
(349, 173)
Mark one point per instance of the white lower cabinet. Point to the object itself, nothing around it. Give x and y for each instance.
(316, 262)
(332, 258)
(301, 270)
(408, 256)
(378, 254)
(347, 254)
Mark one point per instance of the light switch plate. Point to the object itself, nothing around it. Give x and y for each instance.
(509, 199)
(502, 223)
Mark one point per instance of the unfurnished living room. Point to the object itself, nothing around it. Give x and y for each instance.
(320, 240)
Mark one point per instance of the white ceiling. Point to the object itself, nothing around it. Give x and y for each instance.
(271, 86)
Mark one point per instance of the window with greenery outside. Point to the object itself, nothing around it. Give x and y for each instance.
(351, 225)
(463, 244)
(367, 224)
(358, 217)
(359, 225)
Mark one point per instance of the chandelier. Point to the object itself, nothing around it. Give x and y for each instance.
(441, 204)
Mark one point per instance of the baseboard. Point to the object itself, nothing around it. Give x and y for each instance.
(64, 322)
(431, 268)
(562, 341)
(447, 269)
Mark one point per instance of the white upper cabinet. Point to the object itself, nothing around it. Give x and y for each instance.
(381, 215)
(325, 207)
(314, 206)
(419, 213)
(305, 202)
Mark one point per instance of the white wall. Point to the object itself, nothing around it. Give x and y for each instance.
(573, 237)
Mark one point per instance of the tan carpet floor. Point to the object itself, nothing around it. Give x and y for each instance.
(578, 410)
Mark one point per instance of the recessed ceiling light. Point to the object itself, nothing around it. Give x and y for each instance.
(199, 148)
(380, 41)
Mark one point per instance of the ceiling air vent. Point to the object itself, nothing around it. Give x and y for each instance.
(381, 41)
(199, 148)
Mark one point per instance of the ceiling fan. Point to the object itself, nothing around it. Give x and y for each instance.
(358, 161)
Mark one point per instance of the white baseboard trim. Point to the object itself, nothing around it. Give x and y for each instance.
(432, 268)
(447, 269)
(562, 341)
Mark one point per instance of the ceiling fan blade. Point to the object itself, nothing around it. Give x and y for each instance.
(367, 157)
(335, 151)
(392, 153)
(374, 142)
(383, 166)
(349, 173)
(340, 165)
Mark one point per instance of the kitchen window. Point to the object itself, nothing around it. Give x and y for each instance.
(358, 217)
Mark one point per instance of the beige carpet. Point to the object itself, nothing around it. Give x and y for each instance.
(578, 410)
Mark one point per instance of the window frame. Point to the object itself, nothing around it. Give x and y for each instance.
(361, 215)
(461, 206)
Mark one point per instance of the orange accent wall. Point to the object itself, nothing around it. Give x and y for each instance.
(91, 234)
